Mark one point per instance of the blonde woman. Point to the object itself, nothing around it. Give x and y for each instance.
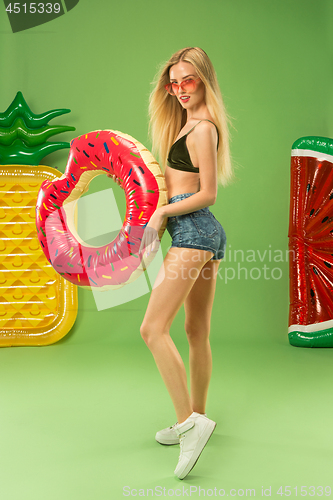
(190, 134)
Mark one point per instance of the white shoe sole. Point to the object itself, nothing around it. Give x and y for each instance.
(198, 449)
(169, 443)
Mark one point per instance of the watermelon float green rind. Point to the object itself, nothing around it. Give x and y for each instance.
(321, 338)
(317, 144)
(311, 243)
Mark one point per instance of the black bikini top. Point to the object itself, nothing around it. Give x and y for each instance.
(179, 157)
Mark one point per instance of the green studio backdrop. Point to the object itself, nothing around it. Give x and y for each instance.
(78, 417)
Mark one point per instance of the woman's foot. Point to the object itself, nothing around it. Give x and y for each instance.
(169, 436)
(193, 434)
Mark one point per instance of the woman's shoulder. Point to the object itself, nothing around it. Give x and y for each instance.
(205, 131)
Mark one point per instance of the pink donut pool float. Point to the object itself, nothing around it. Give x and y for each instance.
(117, 263)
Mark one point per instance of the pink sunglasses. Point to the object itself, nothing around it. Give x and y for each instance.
(187, 86)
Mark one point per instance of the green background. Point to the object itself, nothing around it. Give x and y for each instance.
(78, 418)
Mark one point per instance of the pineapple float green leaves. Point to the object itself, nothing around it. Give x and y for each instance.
(23, 135)
(37, 306)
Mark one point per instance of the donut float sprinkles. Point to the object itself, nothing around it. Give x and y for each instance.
(117, 263)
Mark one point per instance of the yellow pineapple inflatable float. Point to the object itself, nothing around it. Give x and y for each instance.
(37, 306)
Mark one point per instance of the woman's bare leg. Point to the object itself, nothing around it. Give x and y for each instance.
(176, 277)
(198, 308)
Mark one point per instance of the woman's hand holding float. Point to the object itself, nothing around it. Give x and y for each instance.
(150, 240)
(116, 179)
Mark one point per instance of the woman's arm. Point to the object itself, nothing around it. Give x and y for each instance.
(202, 144)
(203, 148)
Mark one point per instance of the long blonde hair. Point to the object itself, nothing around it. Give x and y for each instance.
(167, 116)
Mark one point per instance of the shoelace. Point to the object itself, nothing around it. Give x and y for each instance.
(181, 441)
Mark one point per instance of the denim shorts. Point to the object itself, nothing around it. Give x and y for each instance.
(199, 229)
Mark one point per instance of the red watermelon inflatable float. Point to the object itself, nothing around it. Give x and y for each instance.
(311, 243)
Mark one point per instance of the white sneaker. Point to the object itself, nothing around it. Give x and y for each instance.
(168, 436)
(194, 434)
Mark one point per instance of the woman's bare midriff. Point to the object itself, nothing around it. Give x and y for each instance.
(179, 181)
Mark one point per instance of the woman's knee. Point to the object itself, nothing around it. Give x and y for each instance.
(145, 332)
(197, 332)
(151, 333)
